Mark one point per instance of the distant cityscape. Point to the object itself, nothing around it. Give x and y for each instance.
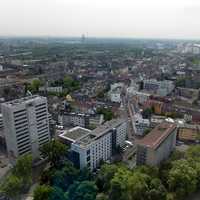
(99, 118)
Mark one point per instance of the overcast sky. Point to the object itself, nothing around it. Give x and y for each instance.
(101, 18)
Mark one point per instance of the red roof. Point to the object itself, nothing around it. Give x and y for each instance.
(157, 135)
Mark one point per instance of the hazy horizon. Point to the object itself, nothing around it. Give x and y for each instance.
(153, 19)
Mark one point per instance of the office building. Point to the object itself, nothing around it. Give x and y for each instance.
(89, 148)
(157, 145)
(26, 126)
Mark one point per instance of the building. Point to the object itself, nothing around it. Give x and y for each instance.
(26, 126)
(89, 148)
(189, 133)
(73, 119)
(58, 89)
(115, 92)
(157, 145)
(140, 96)
(1, 121)
(141, 125)
(161, 88)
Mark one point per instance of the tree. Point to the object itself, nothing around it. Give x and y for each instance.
(104, 177)
(12, 186)
(57, 194)
(42, 192)
(193, 153)
(156, 190)
(107, 112)
(102, 196)
(23, 170)
(138, 186)
(120, 185)
(64, 177)
(147, 113)
(85, 190)
(54, 151)
(182, 178)
(36, 83)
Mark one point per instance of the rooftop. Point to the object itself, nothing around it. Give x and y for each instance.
(157, 135)
(75, 133)
(98, 132)
(26, 99)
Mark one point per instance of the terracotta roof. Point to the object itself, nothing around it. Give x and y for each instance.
(157, 135)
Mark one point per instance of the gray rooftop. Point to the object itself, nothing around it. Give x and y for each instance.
(26, 99)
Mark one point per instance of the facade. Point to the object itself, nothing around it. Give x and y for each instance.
(51, 89)
(161, 88)
(115, 92)
(26, 126)
(140, 96)
(74, 119)
(89, 148)
(140, 124)
(1, 121)
(157, 145)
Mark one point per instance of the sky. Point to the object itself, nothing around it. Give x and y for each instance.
(101, 18)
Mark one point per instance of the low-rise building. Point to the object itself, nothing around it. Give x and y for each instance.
(58, 89)
(73, 119)
(157, 145)
(189, 133)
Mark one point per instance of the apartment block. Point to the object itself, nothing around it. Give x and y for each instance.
(26, 125)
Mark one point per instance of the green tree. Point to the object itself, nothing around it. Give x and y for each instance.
(85, 190)
(23, 170)
(193, 153)
(42, 192)
(102, 196)
(54, 151)
(104, 177)
(182, 178)
(147, 113)
(12, 187)
(57, 194)
(138, 186)
(120, 185)
(156, 190)
(64, 177)
(107, 113)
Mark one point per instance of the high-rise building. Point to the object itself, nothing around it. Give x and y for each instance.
(26, 126)
(89, 148)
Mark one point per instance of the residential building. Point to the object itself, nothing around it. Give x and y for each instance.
(157, 145)
(161, 88)
(26, 126)
(1, 121)
(58, 89)
(140, 124)
(89, 148)
(73, 119)
(189, 133)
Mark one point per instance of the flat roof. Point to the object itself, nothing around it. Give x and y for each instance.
(157, 135)
(23, 100)
(99, 131)
(75, 133)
